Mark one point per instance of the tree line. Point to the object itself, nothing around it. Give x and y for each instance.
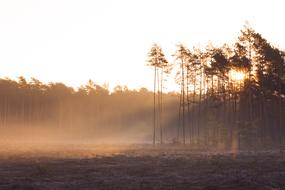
(90, 112)
(231, 96)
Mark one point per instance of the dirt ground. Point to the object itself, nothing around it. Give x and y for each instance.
(76, 167)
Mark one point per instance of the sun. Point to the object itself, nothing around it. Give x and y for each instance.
(237, 75)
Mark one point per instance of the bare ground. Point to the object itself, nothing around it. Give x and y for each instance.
(74, 167)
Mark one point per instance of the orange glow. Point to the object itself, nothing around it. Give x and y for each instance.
(237, 75)
(108, 41)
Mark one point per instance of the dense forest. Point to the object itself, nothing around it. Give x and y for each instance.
(91, 113)
(232, 97)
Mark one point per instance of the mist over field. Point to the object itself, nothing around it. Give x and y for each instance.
(131, 95)
(35, 112)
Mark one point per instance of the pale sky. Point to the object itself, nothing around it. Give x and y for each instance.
(72, 41)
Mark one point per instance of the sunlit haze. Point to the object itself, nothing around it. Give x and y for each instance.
(237, 75)
(107, 41)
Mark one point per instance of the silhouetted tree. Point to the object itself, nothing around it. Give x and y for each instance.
(158, 61)
(182, 56)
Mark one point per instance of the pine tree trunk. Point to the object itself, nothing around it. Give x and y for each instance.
(160, 106)
(183, 102)
(199, 106)
(154, 105)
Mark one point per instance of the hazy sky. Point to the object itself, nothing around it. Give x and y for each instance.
(72, 41)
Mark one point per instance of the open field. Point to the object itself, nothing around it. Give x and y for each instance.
(75, 167)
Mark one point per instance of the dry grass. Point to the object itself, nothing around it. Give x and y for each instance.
(136, 167)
